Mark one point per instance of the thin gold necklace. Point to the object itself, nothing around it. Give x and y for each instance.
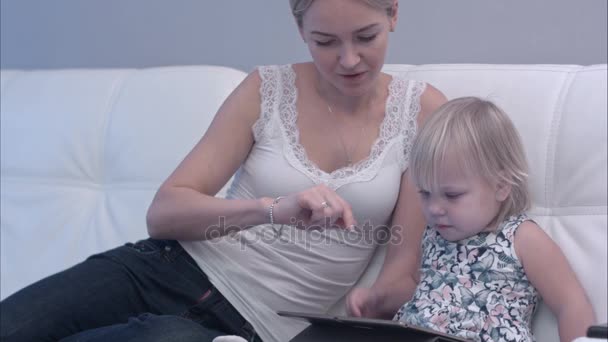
(349, 156)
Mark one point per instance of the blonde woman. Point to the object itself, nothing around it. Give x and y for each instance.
(318, 148)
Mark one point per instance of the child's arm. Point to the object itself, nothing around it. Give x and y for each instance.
(549, 271)
(398, 277)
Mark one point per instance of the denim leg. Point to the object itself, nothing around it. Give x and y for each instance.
(215, 312)
(153, 276)
(212, 316)
(149, 328)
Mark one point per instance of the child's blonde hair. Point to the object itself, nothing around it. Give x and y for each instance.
(485, 142)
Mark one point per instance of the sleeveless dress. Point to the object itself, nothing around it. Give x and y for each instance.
(262, 269)
(474, 288)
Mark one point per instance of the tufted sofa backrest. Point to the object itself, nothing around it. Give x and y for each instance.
(83, 152)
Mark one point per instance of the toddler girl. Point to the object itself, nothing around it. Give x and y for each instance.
(484, 262)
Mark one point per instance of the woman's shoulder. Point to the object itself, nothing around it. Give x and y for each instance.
(430, 97)
(272, 67)
(280, 74)
(430, 100)
(427, 98)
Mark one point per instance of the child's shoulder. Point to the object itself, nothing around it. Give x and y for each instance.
(513, 224)
(530, 236)
(528, 229)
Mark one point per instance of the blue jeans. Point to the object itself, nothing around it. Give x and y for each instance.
(148, 291)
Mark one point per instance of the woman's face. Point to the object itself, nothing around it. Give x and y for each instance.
(347, 40)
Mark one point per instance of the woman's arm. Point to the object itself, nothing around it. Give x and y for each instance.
(185, 208)
(549, 271)
(399, 274)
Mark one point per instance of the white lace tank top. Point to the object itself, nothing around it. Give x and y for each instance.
(262, 270)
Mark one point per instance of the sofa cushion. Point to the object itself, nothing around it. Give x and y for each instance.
(84, 151)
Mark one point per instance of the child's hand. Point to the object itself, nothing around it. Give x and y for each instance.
(362, 302)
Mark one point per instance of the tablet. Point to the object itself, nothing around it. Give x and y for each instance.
(598, 331)
(368, 323)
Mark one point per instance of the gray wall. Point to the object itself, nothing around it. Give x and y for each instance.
(245, 33)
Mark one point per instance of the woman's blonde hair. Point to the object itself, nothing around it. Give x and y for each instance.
(485, 143)
(299, 7)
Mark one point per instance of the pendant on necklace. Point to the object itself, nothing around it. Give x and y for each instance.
(349, 159)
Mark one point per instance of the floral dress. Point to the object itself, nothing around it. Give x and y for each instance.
(474, 288)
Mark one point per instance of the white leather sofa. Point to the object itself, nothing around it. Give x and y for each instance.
(83, 151)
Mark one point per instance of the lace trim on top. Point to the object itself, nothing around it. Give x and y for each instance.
(279, 94)
(268, 95)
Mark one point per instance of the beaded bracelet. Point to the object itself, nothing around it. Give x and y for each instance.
(270, 210)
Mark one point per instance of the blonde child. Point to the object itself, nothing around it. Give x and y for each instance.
(485, 264)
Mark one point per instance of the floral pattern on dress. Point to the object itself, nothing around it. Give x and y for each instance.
(474, 288)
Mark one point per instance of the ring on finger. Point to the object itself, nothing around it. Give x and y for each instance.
(324, 204)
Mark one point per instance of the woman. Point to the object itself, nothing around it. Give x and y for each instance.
(321, 151)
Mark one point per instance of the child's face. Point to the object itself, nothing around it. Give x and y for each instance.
(461, 205)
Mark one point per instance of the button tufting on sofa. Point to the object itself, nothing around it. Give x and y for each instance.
(84, 150)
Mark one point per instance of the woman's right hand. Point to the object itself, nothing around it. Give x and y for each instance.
(314, 208)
